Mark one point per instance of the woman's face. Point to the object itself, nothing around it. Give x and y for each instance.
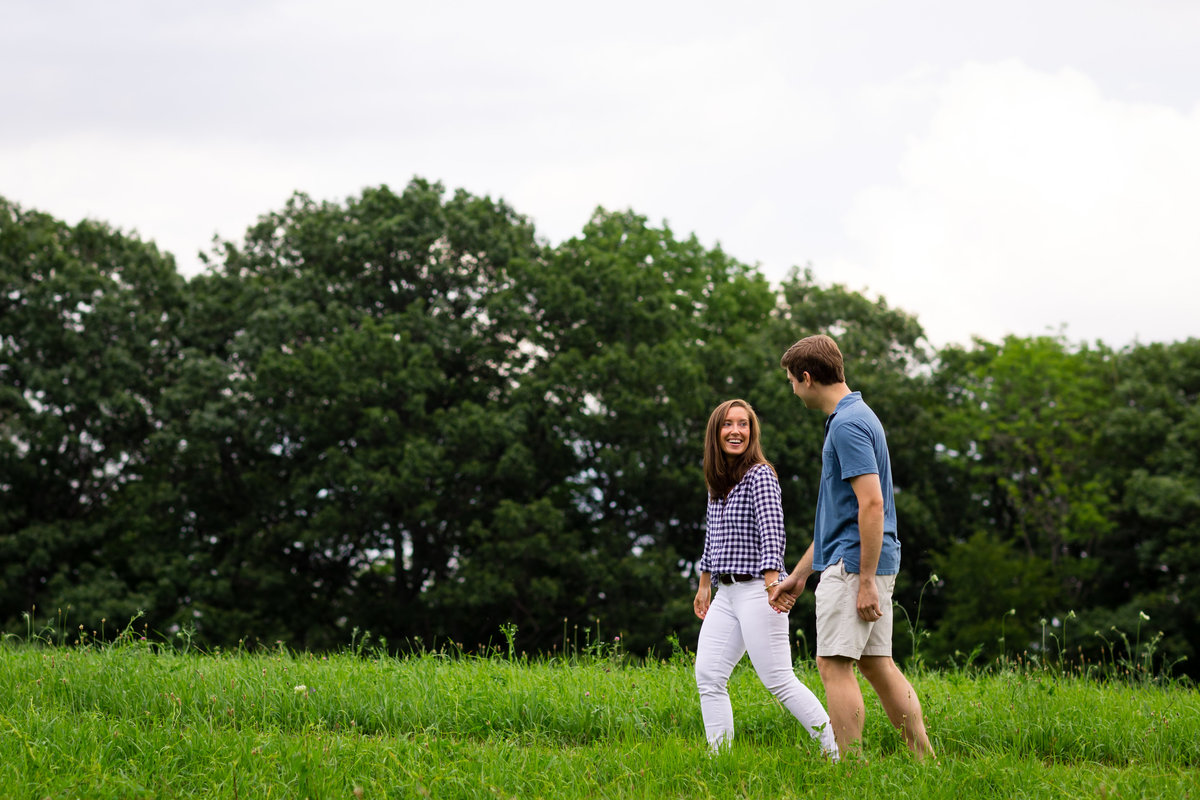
(735, 431)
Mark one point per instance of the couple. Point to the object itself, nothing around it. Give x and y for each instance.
(855, 534)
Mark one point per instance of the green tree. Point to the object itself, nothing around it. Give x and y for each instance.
(363, 428)
(89, 326)
(993, 598)
(643, 334)
(1020, 448)
(1151, 446)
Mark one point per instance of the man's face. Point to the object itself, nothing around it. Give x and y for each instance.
(801, 387)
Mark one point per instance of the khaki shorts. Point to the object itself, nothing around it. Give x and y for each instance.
(840, 631)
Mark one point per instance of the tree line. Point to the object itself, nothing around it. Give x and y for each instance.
(405, 413)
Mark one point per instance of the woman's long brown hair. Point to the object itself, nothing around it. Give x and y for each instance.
(721, 471)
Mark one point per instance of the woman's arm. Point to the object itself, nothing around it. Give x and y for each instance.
(767, 501)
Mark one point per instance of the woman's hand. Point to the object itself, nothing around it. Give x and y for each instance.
(783, 602)
(782, 594)
(703, 597)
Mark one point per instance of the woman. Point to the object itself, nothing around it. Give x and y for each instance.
(743, 554)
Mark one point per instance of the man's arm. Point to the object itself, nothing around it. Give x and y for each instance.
(793, 585)
(870, 528)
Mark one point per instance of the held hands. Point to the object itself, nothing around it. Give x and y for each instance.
(782, 593)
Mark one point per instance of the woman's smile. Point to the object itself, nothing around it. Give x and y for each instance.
(735, 431)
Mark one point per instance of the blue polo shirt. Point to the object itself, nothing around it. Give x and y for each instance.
(854, 445)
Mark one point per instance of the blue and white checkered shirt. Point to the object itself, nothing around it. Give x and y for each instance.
(744, 532)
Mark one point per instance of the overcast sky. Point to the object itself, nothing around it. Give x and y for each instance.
(993, 168)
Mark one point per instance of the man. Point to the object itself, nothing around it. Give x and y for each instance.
(856, 550)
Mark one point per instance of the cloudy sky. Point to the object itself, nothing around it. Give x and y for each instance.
(994, 168)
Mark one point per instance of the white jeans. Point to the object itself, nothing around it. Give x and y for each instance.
(739, 620)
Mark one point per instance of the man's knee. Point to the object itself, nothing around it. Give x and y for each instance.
(832, 667)
(876, 668)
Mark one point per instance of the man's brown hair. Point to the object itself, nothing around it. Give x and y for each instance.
(722, 472)
(817, 355)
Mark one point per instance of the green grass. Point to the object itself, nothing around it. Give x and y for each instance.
(132, 720)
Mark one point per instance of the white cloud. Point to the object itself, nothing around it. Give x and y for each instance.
(173, 193)
(1009, 195)
(1032, 200)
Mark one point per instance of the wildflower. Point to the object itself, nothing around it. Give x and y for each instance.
(301, 689)
(934, 578)
(1144, 615)
(1071, 614)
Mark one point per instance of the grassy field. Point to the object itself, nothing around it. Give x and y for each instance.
(134, 720)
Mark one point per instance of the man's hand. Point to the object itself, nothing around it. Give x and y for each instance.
(868, 599)
(790, 585)
(782, 596)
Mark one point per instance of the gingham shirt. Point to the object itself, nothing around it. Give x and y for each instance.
(744, 532)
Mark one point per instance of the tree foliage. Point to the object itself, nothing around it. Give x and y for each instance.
(404, 413)
(1151, 443)
(90, 329)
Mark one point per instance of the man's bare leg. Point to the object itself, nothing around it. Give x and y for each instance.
(845, 702)
(899, 700)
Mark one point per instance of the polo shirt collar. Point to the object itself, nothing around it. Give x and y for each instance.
(845, 402)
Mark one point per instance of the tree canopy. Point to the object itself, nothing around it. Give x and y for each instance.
(406, 413)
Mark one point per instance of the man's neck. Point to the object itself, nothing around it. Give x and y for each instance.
(830, 395)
